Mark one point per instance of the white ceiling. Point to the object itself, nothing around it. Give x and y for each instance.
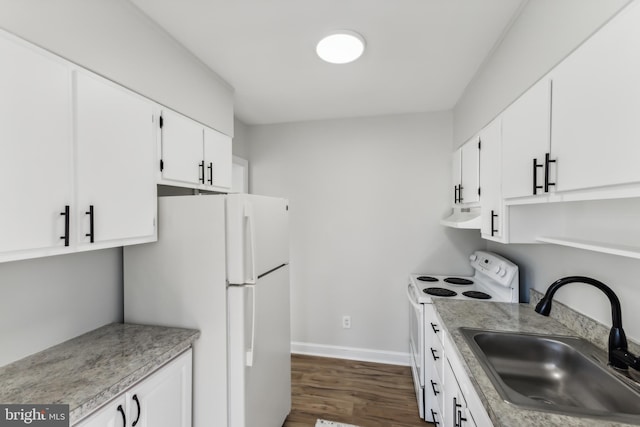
(420, 55)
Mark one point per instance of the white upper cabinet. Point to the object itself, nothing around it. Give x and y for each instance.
(77, 158)
(456, 172)
(217, 159)
(182, 159)
(596, 108)
(526, 159)
(465, 171)
(116, 183)
(491, 205)
(35, 149)
(194, 155)
(470, 190)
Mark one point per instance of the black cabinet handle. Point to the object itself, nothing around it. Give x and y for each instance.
(201, 168)
(90, 234)
(210, 167)
(433, 386)
(66, 225)
(547, 161)
(455, 194)
(457, 414)
(135, 399)
(433, 414)
(493, 217)
(460, 188)
(433, 326)
(124, 417)
(536, 187)
(433, 353)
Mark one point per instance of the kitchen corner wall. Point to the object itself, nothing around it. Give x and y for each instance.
(545, 33)
(240, 139)
(366, 197)
(49, 300)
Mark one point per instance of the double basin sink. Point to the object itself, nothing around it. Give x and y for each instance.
(566, 375)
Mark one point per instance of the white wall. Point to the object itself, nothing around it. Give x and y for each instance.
(49, 300)
(544, 34)
(114, 39)
(366, 197)
(541, 265)
(240, 139)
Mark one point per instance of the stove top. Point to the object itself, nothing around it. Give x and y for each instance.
(494, 279)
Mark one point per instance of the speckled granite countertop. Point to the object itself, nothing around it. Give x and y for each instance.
(88, 371)
(504, 317)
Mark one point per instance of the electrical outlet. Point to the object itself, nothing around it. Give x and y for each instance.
(346, 322)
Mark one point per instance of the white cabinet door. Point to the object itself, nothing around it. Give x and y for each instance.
(470, 172)
(112, 415)
(491, 206)
(456, 174)
(35, 148)
(455, 411)
(596, 108)
(115, 163)
(163, 399)
(182, 149)
(525, 141)
(217, 159)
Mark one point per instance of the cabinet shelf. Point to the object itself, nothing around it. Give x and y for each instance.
(596, 246)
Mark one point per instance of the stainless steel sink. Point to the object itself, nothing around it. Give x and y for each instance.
(560, 374)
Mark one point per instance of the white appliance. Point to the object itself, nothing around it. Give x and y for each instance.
(221, 265)
(495, 279)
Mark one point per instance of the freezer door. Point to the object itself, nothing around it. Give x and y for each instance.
(257, 236)
(260, 352)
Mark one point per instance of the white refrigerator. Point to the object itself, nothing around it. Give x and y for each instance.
(221, 265)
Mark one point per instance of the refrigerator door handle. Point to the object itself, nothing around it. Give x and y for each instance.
(249, 354)
(252, 247)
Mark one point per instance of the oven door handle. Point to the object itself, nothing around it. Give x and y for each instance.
(415, 304)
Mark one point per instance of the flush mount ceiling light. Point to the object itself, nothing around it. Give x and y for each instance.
(341, 47)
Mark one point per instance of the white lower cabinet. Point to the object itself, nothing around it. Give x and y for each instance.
(462, 406)
(112, 415)
(161, 400)
(455, 406)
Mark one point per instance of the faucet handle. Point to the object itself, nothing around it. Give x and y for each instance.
(624, 359)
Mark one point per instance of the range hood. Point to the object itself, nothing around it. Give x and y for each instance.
(463, 218)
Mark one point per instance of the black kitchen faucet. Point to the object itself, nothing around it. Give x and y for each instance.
(619, 356)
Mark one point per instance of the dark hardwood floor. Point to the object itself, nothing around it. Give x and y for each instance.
(361, 393)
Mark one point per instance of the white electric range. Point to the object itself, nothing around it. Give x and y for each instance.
(495, 279)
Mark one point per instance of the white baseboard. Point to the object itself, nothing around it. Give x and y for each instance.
(351, 353)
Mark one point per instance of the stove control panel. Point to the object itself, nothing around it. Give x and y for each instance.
(494, 266)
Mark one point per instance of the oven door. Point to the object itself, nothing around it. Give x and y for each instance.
(416, 346)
